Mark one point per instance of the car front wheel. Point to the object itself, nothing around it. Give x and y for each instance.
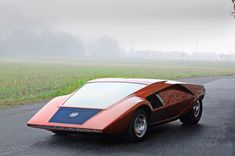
(138, 126)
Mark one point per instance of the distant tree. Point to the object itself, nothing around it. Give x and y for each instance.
(233, 4)
(61, 44)
(104, 46)
(233, 12)
(21, 43)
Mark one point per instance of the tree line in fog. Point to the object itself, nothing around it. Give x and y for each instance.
(49, 44)
(20, 44)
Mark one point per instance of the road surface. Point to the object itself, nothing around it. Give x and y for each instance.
(215, 135)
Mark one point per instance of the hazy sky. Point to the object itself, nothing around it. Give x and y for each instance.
(139, 24)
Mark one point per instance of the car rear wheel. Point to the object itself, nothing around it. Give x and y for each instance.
(194, 115)
(138, 126)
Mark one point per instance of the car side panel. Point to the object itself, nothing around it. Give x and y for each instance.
(117, 118)
(176, 99)
(197, 90)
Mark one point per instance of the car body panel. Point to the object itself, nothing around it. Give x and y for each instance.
(179, 98)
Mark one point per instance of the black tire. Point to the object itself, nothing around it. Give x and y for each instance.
(132, 134)
(193, 116)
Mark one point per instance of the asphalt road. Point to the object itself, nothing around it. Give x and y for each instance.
(215, 135)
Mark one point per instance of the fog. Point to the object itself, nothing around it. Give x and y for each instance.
(155, 29)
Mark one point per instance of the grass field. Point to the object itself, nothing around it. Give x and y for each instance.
(27, 82)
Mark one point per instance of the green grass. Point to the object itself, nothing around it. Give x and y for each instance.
(27, 82)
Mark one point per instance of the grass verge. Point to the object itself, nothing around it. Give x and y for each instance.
(27, 82)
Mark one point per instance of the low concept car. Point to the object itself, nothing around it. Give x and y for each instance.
(116, 105)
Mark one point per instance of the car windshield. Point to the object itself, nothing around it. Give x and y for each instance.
(102, 94)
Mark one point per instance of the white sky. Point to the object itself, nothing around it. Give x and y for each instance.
(139, 24)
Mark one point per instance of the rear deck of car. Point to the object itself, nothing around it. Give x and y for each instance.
(127, 80)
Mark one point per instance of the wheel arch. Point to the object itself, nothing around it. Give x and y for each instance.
(146, 108)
